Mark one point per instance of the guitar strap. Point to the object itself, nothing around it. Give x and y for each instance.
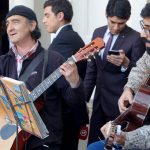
(45, 63)
(44, 68)
(32, 66)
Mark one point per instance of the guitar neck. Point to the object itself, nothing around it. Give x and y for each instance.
(82, 54)
(46, 83)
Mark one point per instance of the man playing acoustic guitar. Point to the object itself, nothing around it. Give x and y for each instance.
(137, 139)
(23, 32)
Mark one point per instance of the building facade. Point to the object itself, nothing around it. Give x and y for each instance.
(88, 14)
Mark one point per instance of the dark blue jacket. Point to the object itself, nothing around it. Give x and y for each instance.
(67, 43)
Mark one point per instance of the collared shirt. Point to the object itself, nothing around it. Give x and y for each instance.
(60, 29)
(105, 38)
(20, 59)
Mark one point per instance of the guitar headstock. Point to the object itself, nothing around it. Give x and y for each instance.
(89, 50)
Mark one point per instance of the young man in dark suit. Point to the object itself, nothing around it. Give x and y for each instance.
(57, 18)
(109, 72)
(137, 139)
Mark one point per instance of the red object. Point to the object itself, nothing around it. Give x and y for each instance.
(83, 133)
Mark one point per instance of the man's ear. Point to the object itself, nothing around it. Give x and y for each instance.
(60, 16)
(33, 25)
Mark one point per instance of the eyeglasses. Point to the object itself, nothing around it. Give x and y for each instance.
(145, 28)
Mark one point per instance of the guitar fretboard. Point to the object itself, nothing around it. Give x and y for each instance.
(82, 54)
(42, 87)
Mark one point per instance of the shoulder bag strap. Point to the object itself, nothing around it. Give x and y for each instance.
(32, 66)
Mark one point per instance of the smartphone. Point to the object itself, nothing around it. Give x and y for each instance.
(113, 52)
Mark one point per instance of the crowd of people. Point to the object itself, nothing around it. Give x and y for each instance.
(116, 73)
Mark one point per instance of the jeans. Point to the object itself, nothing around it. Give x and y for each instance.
(98, 146)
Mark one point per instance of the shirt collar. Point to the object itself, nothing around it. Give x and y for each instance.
(28, 54)
(59, 29)
(108, 33)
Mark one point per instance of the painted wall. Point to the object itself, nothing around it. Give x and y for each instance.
(88, 15)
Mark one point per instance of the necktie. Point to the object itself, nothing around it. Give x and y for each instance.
(107, 47)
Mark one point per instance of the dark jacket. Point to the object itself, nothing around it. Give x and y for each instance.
(67, 43)
(58, 92)
(108, 78)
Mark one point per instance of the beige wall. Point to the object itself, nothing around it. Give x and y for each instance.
(91, 14)
(29, 3)
(38, 8)
(88, 14)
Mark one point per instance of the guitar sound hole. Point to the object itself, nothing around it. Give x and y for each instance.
(124, 125)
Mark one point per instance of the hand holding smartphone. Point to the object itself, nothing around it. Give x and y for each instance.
(113, 52)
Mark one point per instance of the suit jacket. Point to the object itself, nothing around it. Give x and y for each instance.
(108, 78)
(67, 43)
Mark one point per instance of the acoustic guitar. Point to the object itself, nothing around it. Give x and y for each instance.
(134, 117)
(7, 142)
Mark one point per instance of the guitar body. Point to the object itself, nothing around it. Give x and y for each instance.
(22, 140)
(134, 117)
